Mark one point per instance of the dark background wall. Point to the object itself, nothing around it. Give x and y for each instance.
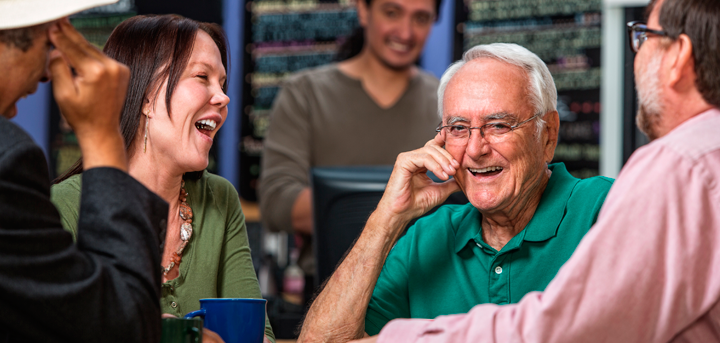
(206, 10)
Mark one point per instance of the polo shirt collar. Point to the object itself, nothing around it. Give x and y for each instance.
(551, 210)
(545, 221)
(468, 228)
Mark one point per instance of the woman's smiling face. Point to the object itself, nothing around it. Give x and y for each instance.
(182, 139)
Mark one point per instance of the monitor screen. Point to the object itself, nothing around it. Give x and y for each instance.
(343, 199)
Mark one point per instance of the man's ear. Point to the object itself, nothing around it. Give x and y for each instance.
(362, 12)
(682, 64)
(550, 134)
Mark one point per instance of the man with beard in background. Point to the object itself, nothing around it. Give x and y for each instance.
(647, 271)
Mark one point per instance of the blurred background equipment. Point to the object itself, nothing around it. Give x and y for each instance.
(343, 199)
(566, 35)
(282, 37)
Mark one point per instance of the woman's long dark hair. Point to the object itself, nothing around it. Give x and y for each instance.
(354, 43)
(155, 48)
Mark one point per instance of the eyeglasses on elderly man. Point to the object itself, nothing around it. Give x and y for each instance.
(494, 131)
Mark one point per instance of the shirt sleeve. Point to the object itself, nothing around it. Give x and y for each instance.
(390, 298)
(236, 278)
(644, 273)
(105, 287)
(286, 157)
(66, 198)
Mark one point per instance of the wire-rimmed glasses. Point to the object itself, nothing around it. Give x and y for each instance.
(493, 132)
(638, 34)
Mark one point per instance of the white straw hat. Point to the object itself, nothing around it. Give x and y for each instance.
(23, 13)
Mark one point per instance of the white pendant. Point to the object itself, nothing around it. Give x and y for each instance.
(185, 231)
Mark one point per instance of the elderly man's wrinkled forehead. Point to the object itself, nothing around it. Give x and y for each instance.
(485, 86)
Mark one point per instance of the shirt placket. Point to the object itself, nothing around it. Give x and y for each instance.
(497, 276)
(169, 296)
(499, 285)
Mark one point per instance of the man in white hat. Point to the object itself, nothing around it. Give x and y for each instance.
(52, 290)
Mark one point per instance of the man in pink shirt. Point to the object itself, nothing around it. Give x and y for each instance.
(649, 270)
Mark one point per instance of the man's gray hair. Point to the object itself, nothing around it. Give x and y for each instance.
(541, 88)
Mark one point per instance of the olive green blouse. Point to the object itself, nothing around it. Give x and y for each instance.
(216, 262)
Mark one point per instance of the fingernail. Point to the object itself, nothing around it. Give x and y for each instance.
(445, 174)
(450, 167)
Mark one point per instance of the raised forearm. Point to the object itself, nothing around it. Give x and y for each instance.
(103, 150)
(338, 313)
(302, 216)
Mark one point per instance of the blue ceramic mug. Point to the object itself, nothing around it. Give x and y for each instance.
(235, 320)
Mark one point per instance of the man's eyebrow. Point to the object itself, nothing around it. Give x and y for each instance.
(391, 5)
(454, 119)
(501, 116)
(493, 116)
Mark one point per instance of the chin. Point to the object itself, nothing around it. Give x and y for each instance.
(10, 113)
(398, 65)
(647, 122)
(197, 165)
(483, 201)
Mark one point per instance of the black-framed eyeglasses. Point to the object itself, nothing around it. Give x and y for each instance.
(493, 132)
(638, 34)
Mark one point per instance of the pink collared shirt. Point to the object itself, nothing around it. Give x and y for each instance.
(648, 271)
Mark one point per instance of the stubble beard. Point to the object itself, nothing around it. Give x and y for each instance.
(650, 99)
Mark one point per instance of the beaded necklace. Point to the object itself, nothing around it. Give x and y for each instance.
(185, 230)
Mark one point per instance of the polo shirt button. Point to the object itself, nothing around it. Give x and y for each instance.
(498, 270)
(173, 304)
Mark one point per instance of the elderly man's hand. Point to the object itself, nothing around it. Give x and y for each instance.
(90, 90)
(410, 192)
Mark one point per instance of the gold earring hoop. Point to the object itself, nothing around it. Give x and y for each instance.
(147, 121)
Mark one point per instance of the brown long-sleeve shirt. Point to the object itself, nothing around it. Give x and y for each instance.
(323, 117)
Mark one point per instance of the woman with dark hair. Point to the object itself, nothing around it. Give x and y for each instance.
(176, 102)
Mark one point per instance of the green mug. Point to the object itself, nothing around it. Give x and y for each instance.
(180, 330)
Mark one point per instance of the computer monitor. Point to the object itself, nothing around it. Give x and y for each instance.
(343, 199)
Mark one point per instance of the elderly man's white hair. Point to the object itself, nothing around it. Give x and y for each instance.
(541, 87)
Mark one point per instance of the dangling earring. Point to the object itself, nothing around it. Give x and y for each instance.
(147, 121)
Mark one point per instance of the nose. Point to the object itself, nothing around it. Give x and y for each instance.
(477, 146)
(46, 76)
(220, 99)
(405, 29)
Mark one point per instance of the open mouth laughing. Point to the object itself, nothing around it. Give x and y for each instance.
(399, 46)
(206, 126)
(488, 171)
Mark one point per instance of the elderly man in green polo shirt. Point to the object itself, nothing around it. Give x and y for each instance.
(498, 135)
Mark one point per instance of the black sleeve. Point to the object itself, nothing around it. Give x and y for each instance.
(104, 289)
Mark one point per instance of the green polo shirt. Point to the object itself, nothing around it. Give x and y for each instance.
(442, 265)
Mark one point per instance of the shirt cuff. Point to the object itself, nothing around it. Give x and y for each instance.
(406, 330)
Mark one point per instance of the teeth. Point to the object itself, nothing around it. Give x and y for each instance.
(398, 46)
(484, 170)
(206, 124)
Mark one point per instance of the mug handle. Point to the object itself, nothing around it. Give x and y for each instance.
(196, 333)
(199, 313)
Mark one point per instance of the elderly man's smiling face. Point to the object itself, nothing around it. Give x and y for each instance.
(499, 176)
